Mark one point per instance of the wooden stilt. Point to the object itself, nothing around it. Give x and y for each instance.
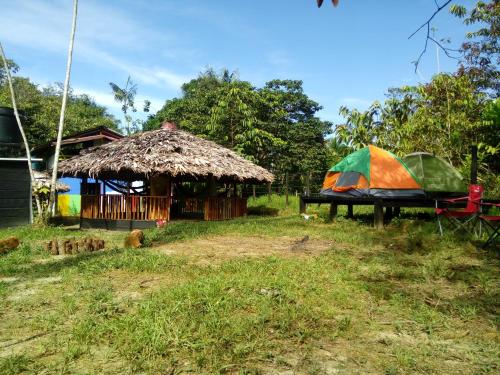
(350, 213)
(302, 206)
(378, 216)
(333, 211)
(388, 214)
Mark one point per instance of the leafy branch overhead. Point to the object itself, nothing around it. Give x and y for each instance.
(427, 26)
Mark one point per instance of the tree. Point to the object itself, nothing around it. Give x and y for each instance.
(126, 97)
(39, 110)
(481, 51)
(63, 108)
(274, 126)
(8, 66)
(360, 128)
(288, 113)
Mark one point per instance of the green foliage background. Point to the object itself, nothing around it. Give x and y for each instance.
(40, 109)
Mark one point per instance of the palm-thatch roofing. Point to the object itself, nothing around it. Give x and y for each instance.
(43, 180)
(171, 152)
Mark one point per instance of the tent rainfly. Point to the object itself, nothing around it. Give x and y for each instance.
(435, 174)
(371, 172)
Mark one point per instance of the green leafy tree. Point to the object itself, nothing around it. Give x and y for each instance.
(481, 51)
(288, 113)
(12, 67)
(448, 119)
(275, 126)
(40, 110)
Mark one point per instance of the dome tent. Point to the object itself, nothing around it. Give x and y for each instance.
(371, 172)
(435, 174)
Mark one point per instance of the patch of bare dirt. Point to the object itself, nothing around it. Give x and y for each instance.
(219, 248)
(128, 286)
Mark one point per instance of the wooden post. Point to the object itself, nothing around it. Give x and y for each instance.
(378, 216)
(350, 213)
(333, 210)
(212, 187)
(253, 192)
(473, 167)
(397, 211)
(302, 206)
(286, 189)
(269, 192)
(308, 184)
(388, 214)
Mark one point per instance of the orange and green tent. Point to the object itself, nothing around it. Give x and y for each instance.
(372, 172)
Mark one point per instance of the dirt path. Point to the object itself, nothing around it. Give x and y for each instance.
(220, 248)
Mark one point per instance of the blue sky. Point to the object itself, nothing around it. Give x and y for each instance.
(347, 55)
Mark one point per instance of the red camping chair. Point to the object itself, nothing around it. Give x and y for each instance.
(491, 222)
(466, 218)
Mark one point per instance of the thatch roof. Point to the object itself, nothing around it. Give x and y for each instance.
(42, 179)
(163, 152)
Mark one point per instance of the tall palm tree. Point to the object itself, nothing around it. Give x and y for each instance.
(21, 130)
(126, 98)
(63, 108)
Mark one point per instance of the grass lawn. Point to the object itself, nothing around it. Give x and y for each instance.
(253, 296)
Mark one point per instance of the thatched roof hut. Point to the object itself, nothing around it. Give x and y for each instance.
(169, 152)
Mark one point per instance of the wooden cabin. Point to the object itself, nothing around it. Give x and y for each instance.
(15, 179)
(161, 175)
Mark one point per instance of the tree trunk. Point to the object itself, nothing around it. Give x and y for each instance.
(63, 108)
(21, 130)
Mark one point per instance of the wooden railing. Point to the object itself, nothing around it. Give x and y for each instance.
(189, 206)
(224, 208)
(137, 207)
(125, 207)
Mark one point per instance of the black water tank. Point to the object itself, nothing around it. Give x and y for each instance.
(9, 132)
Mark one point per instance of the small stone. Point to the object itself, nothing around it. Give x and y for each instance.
(53, 247)
(135, 239)
(8, 244)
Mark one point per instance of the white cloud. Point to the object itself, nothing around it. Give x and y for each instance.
(102, 34)
(100, 97)
(279, 58)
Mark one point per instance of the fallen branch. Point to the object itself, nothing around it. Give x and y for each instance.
(25, 340)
